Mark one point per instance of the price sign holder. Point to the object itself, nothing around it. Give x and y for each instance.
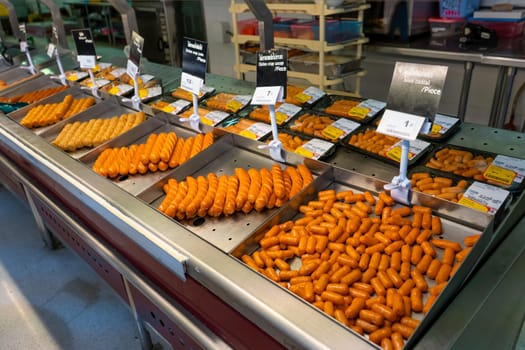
(24, 48)
(52, 50)
(133, 65)
(271, 87)
(413, 100)
(86, 54)
(194, 60)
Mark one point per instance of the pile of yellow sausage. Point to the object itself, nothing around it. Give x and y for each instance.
(363, 262)
(160, 152)
(95, 131)
(51, 113)
(34, 96)
(245, 190)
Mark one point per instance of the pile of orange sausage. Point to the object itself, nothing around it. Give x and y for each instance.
(460, 162)
(363, 262)
(439, 186)
(34, 96)
(160, 152)
(51, 113)
(244, 191)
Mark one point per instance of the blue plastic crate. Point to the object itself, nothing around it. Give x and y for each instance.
(458, 8)
(350, 29)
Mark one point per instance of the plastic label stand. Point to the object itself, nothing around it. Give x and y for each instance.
(400, 187)
(194, 120)
(275, 146)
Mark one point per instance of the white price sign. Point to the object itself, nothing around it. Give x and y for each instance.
(87, 61)
(23, 46)
(267, 95)
(191, 83)
(51, 48)
(402, 125)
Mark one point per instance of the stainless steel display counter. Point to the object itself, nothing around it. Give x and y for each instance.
(185, 281)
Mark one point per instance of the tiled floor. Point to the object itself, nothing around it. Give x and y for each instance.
(52, 299)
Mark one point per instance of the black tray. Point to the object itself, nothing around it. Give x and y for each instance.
(455, 179)
(205, 101)
(291, 123)
(330, 152)
(514, 187)
(330, 99)
(245, 113)
(440, 137)
(364, 128)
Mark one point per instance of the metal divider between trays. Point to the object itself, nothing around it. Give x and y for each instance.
(454, 229)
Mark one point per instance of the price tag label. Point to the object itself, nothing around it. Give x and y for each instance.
(256, 131)
(340, 128)
(443, 123)
(314, 148)
(484, 197)
(314, 93)
(120, 89)
(118, 72)
(176, 107)
(498, 174)
(214, 117)
(517, 166)
(374, 106)
(51, 48)
(23, 37)
(23, 46)
(416, 89)
(401, 125)
(194, 60)
(271, 72)
(289, 110)
(302, 97)
(267, 95)
(358, 112)
(86, 54)
(135, 54)
(150, 92)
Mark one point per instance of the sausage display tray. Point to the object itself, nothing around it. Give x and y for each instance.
(514, 187)
(227, 153)
(37, 82)
(76, 92)
(138, 183)
(15, 76)
(329, 100)
(453, 229)
(411, 162)
(102, 110)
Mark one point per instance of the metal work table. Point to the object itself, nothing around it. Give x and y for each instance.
(509, 56)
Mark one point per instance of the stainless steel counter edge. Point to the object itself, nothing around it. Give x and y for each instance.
(274, 310)
(426, 53)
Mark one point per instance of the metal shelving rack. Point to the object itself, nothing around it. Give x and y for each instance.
(322, 11)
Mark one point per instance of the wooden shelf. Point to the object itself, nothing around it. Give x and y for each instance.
(303, 44)
(314, 9)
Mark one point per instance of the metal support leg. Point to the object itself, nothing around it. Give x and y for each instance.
(145, 338)
(510, 74)
(46, 236)
(496, 101)
(465, 89)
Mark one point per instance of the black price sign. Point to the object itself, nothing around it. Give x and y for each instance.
(413, 99)
(87, 56)
(194, 59)
(416, 89)
(135, 54)
(272, 68)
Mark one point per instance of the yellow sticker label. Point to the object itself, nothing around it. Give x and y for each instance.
(114, 90)
(467, 202)
(280, 117)
(249, 134)
(72, 77)
(332, 132)
(395, 154)
(206, 121)
(436, 129)
(304, 152)
(499, 174)
(233, 105)
(358, 112)
(143, 93)
(303, 97)
(168, 109)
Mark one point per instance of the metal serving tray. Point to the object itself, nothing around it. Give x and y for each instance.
(102, 110)
(28, 85)
(226, 154)
(136, 184)
(76, 92)
(455, 230)
(13, 76)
